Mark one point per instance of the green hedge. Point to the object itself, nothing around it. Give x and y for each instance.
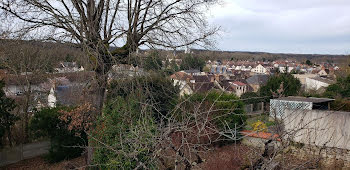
(65, 144)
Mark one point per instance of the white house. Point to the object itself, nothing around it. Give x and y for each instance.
(322, 73)
(259, 69)
(66, 67)
(238, 68)
(289, 69)
(282, 69)
(183, 81)
(51, 99)
(240, 87)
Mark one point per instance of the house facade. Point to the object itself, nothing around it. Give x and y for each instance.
(259, 69)
(183, 81)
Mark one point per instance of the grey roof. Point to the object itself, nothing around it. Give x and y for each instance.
(258, 79)
(203, 87)
(305, 99)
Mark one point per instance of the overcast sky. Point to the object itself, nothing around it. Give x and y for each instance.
(289, 26)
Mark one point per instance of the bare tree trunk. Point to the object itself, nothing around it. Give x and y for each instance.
(100, 96)
(9, 136)
(101, 92)
(26, 116)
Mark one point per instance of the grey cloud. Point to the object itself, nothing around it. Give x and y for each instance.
(298, 26)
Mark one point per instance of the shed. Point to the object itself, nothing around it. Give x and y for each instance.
(278, 106)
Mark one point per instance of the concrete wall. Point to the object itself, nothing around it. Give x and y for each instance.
(319, 128)
(21, 152)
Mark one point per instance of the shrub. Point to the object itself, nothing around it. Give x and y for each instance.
(341, 105)
(225, 109)
(153, 62)
(6, 118)
(259, 126)
(154, 90)
(124, 135)
(47, 123)
(341, 89)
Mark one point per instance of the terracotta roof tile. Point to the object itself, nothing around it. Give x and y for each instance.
(180, 76)
(263, 135)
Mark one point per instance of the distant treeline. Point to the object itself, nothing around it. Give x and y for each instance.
(68, 52)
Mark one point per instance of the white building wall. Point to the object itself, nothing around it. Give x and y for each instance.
(259, 69)
(51, 99)
(312, 84)
(185, 89)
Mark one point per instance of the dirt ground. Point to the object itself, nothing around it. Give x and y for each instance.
(227, 157)
(38, 163)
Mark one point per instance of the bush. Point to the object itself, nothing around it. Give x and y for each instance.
(341, 105)
(153, 62)
(226, 109)
(124, 135)
(46, 123)
(259, 126)
(251, 98)
(154, 90)
(341, 89)
(7, 119)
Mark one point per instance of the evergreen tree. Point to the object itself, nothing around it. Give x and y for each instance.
(190, 62)
(308, 62)
(153, 62)
(6, 118)
(290, 85)
(341, 89)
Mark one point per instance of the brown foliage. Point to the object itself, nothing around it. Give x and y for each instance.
(79, 118)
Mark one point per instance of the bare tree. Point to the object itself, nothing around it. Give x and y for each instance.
(96, 25)
(27, 65)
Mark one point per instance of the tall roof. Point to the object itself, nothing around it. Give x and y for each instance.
(203, 87)
(180, 76)
(201, 78)
(238, 83)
